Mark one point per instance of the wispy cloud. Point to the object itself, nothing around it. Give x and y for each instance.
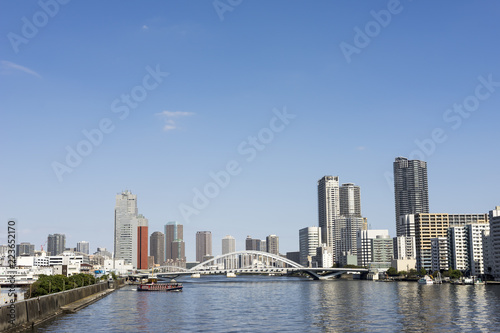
(145, 27)
(171, 117)
(361, 148)
(7, 66)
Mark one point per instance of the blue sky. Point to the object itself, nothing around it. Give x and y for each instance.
(353, 111)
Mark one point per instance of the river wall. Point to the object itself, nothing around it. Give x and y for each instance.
(32, 311)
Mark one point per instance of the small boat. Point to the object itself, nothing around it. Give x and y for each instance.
(426, 280)
(152, 285)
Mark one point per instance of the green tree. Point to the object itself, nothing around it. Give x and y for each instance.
(422, 271)
(412, 272)
(392, 271)
(455, 274)
(403, 273)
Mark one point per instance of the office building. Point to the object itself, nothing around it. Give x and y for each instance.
(252, 244)
(83, 247)
(25, 249)
(175, 248)
(273, 244)
(56, 244)
(309, 240)
(410, 188)
(294, 256)
(324, 257)
(228, 244)
(157, 247)
(203, 245)
(130, 244)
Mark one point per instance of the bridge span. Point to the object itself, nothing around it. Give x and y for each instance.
(250, 262)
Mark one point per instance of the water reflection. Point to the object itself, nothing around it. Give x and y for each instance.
(249, 304)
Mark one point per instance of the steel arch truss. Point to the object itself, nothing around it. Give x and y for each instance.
(246, 260)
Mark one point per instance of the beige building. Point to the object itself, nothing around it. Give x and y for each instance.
(429, 226)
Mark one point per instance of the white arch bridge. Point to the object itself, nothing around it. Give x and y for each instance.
(250, 262)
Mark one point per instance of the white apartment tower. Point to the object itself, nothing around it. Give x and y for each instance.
(309, 240)
(228, 244)
(328, 209)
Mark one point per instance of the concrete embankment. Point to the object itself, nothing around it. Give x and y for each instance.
(28, 313)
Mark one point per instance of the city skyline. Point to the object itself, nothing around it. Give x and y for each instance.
(238, 120)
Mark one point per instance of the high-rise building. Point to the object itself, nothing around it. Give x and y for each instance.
(309, 240)
(350, 200)
(142, 242)
(228, 244)
(83, 247)
(382, 249)
(439, 254)
(466, 247)
(175, 248)
(365, 246)
(128, 246)
(410, 188)
(348, 227)
(203, 245)
(328, 209)
(492, 244)
(56, 243)
(157, 247)
(252, 244)
(404, 247)
(273, 244)
(428, 226)
(25, 249)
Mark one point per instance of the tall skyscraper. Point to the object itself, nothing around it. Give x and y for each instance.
(56, 244)
(350, 200)
(309, 240)
(228, 244)
(273, 244)
(83, 247)
(410, 188)
(328, 209)
(175, 247)
(157, 247)
(128, 246)
(203, 244)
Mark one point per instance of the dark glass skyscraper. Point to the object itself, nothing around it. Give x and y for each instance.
(410, 187)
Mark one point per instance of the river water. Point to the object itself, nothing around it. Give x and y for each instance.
(285, 304)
